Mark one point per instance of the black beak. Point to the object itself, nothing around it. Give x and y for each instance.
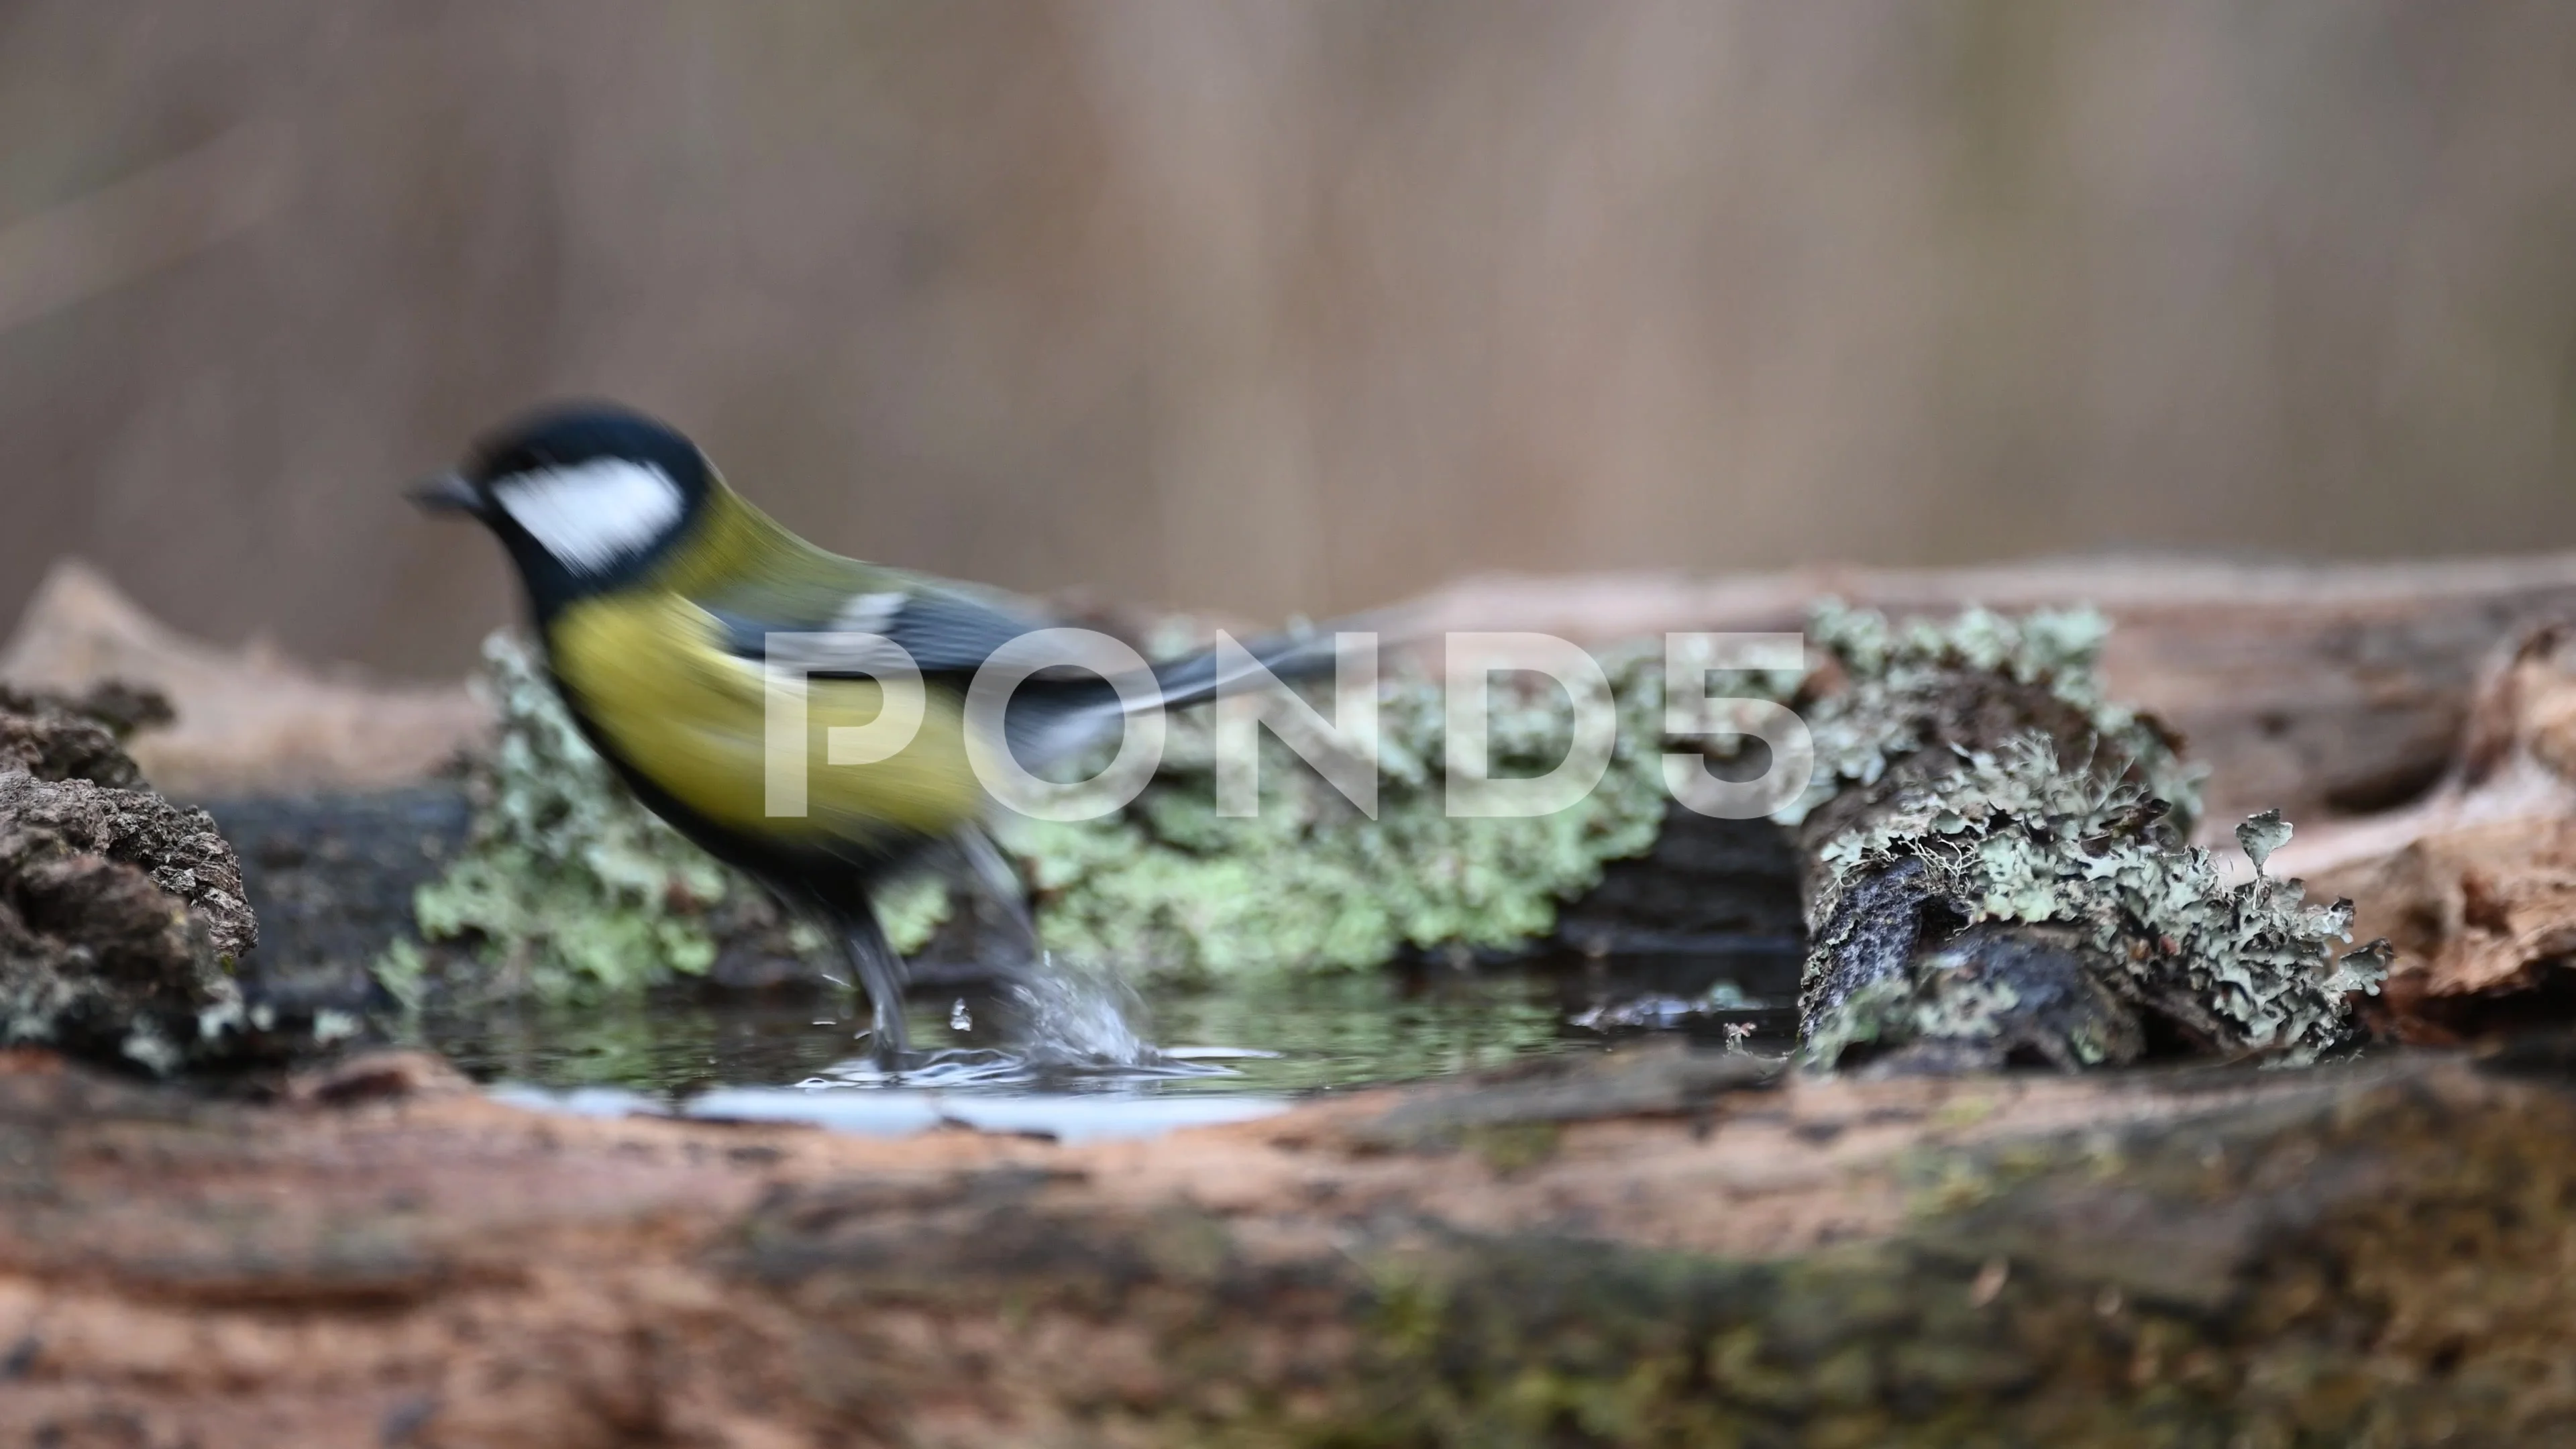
(448, 493)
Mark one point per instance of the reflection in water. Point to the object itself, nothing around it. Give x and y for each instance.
(1265, 1037)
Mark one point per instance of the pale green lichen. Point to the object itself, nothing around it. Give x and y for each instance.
(911, 909)
(570, 886)
(567, 886)
(1311, 884)
(1898, 672)
(402, 969)
(2020, 836)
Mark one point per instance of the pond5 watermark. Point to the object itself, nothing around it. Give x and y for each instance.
(1002, 732)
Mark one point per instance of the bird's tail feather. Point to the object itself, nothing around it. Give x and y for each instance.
(1196, 678)
(1062, 717)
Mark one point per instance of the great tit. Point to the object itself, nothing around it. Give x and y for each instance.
(654, 587)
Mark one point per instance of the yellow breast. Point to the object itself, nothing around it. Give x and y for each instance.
(646, 669)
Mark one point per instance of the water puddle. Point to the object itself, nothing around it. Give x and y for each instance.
(1223, 1053)
(900, 1112)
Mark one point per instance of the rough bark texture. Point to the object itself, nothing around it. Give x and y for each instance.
(60, 737)
(121, 914)
(2476, 884)
(1665, 1248)
(1996, 873)
(1870, 932)
(1650, 1250)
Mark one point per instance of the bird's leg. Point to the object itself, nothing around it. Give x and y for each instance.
(881, 971)
(1061, 1012)
(1001, 885)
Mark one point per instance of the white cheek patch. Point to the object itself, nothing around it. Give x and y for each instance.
(592, 514)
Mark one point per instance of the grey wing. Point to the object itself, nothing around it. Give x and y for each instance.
(948, 636)
(944, 633)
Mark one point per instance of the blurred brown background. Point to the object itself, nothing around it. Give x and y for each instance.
(1274, 306)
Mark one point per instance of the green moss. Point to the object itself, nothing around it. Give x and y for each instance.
(1509, 1147)
(911, 910)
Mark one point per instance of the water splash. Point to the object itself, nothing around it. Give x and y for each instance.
(1064, 1023)
(986, 1068)
(1077, 1013)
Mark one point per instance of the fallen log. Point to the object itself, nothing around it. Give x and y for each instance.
(1996, 874)
(248, 720)
(2329, 692)
(1651, 1248)
(2476, 883)
(2319, 690)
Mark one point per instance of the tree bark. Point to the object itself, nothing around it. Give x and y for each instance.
(1659, 1247)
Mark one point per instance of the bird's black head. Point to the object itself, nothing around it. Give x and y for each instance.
(586, 497)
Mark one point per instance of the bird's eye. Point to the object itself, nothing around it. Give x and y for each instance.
(591, 515)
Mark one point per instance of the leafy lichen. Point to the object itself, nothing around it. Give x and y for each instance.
(567, 886)
(2076, 836)
(1311, 884)
(572, 887)
(1897, 674)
